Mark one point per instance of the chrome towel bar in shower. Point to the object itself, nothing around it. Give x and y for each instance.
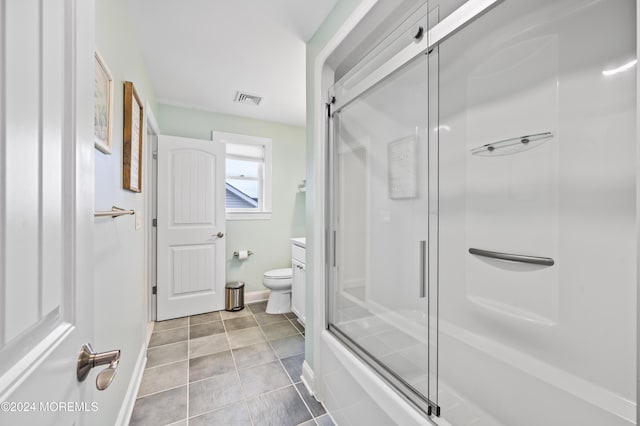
(535, 260)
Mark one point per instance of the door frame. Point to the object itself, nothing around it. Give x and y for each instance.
(152, 131)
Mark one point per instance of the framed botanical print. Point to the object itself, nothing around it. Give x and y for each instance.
(103, 116)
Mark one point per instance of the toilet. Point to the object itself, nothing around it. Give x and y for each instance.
(279, 282)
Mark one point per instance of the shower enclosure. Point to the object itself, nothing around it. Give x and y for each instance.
(481, 239)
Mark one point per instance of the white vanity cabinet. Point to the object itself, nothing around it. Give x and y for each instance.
(298, 248)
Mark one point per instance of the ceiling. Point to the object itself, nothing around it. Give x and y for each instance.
(199, 53)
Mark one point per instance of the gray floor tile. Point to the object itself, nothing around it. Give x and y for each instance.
(167, 337)
(166, 354)
(162, 378)
(207, 329)
(210, 365)
(161, 408)
(210, 394)
(240, 323)
(263, 378)
(282, 407)
(293, 366)
(258, 307)
(226, 315)
(206, 354)
(246, 337)
(309, 423)
(325, 421)
(208, 345)
(250, 356)
(235, 414)
(202, 318)
(169, 324)
(315, 407)
(291, 315)
(263, 318)
(288, 346)
(279, 330)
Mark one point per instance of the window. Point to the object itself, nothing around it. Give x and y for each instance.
(248, 176)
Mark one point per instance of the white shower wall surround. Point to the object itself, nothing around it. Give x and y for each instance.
(493, 342)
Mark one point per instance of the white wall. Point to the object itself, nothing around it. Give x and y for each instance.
(571, 198)
(120, 264)
(268, 239)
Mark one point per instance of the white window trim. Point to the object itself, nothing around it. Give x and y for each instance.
(264, 211)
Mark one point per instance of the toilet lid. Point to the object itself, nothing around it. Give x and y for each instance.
(278, 273)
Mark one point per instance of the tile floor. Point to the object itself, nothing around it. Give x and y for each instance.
(227, 368)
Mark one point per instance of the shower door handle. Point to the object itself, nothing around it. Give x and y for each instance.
(423, 269)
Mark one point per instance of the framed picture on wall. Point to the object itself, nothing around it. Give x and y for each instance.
(103, 106)
(403, 171)
(132, 145)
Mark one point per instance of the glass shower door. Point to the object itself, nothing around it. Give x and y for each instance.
(383, 209)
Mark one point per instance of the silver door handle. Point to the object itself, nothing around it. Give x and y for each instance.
(219, 235)
(88, 358)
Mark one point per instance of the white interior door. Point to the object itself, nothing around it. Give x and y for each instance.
(46, 210)
(191, 226)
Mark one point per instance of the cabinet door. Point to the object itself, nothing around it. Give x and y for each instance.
(297, 290)
(301, 290)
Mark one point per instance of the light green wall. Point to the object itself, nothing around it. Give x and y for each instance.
(342, 10)
(268, 239)
(120, 287)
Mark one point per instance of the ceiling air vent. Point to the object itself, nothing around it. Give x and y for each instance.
(245, 98)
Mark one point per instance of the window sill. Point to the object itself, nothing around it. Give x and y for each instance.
(248, 215)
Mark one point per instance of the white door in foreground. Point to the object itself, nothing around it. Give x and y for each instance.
(46, 211)
(191, 226)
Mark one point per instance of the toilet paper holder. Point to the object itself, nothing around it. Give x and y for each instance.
(236, 254)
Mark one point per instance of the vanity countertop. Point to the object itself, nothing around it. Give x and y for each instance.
(302, 242)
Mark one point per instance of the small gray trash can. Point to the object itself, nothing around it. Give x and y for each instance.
(234, 296)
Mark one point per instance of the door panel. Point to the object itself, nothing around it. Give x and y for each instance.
(191, 215)
(46, 209)
(384, 206)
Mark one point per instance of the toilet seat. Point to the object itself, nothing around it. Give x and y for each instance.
(282, 273)
(277, 279)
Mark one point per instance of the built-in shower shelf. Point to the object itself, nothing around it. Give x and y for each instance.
(513, 145)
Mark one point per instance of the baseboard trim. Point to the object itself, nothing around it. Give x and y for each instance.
(308, 378)
(150, 326)
(124, 416)
(256, 296)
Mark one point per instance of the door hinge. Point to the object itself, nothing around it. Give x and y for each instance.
(154, 223)
(154, 289)
(155, 155)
